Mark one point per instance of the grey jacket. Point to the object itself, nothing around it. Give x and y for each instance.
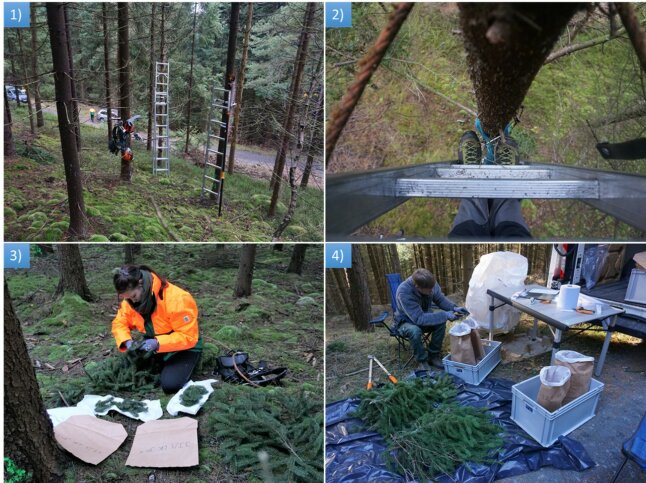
(415, 308)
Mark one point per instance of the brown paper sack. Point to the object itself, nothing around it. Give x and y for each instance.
(478, 349)
(461, 346)
(581, 367)
(89, 438)
(165, 443)
(555, 382)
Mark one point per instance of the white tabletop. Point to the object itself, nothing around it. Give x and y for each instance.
(545, 312)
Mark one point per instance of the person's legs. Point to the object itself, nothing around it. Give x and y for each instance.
(177, 370)
(472, 219)
(414, 335)
(507, 220)
(437, 338)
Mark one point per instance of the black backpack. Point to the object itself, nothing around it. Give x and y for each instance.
(235, 367)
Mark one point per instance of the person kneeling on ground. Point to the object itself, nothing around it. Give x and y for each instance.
(166, 314)
(414, 316)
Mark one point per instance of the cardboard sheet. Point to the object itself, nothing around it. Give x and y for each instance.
(90, 439)
(640, 260)
(165, 443)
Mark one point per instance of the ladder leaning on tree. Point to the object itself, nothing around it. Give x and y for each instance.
(161, 120)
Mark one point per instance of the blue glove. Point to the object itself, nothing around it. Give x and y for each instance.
(461, 310)
(128, 343)
(450, 315)
(150, 345)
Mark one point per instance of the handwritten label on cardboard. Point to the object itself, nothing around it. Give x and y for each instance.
(165, 443)
(88, 438)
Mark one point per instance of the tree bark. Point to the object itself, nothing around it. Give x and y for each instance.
(292, 205)
(298, 256)
(130, 252)
(28, 434)
(106, 66)
(245, 271)
(124, 78)
(75, 101)
(299, 64)
(633, 112)
(241, 76)
(506, 45)
(9, 145)
(635, 31)
(151, 76)
(64, 106)
(190, 81)
(359, 293)
(378, 272)
(339, 275)
(314, 146)
(394, 256)
(40, 120)
(72, 274)
(26, 77)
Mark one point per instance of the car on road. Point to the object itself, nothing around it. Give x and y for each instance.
(11, 93)
(103, 115)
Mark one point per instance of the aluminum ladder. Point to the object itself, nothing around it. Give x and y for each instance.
(220, 117)
(161, 120)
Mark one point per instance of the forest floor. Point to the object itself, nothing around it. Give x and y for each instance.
(36, 196)
(401, 121)
(618, 413)
(281, 322)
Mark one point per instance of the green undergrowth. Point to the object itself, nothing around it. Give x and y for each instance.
(400, 121)
(269, 325)
(36, 197)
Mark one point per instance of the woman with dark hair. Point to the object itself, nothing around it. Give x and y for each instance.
(166, 315)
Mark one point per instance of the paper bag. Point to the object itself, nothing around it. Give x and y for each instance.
(88, 438)
(461, 346)
(165, 443)
(581, 368)
(478, 349)
(555, 382)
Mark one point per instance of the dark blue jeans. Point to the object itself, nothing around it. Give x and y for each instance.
(414, 334)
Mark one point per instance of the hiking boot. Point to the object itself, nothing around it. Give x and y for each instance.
(436, 361)
(424, 366)
(469, 150)
(506, 151)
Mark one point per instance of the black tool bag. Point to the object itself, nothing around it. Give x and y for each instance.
(242, 372)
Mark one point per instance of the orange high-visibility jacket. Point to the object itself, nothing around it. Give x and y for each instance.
(174, 320)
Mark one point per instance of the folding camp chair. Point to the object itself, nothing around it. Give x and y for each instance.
(635, 449)
(394, 280)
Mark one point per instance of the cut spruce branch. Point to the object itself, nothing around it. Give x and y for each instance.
(570, 49)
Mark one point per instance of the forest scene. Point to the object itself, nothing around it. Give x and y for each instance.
(358, 295)
(588, 88)
(266, 300)
(186, 169)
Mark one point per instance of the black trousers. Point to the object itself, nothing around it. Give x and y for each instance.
(177, 370)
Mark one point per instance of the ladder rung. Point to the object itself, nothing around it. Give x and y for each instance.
(161, 159)
(222, 124)
(216, 137)
(215, 151)
(220, 106)
(161, 169)
(214, 166)
(212, 192)
(212, 179)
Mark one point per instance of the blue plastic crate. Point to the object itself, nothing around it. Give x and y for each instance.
(475, 374)
(544, 426)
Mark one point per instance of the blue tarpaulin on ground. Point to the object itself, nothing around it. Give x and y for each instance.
(355, 454)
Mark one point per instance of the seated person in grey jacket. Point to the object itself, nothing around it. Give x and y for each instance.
(414, 316)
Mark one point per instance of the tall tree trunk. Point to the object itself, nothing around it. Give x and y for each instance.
(106, 66)
(298, 256)
(190, 81)
(64, 105)
(635, 31)
(506, 45)
(124, 77)
(379, 273)
(314, 146)
(40, 120)
(333, 302)
(130, 252)
(151, 76)
(75, 101)
(359, 293)
(241, 76)
(229, 80)
(299, 64)
(9, 146)
(26, 82)
(339, 275)
(245, 271)
(14, 76)
(394, 256)
(28, 434)
(72, 274)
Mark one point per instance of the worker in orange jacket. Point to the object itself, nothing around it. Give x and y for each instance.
(166, 314)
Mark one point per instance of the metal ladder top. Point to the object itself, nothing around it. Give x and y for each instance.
(358, 198)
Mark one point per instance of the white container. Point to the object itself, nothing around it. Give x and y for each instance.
(568, 297)
(475, 374)
(544, 426)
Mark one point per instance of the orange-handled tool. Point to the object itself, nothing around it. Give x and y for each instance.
(392, 378)
(370, 385)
